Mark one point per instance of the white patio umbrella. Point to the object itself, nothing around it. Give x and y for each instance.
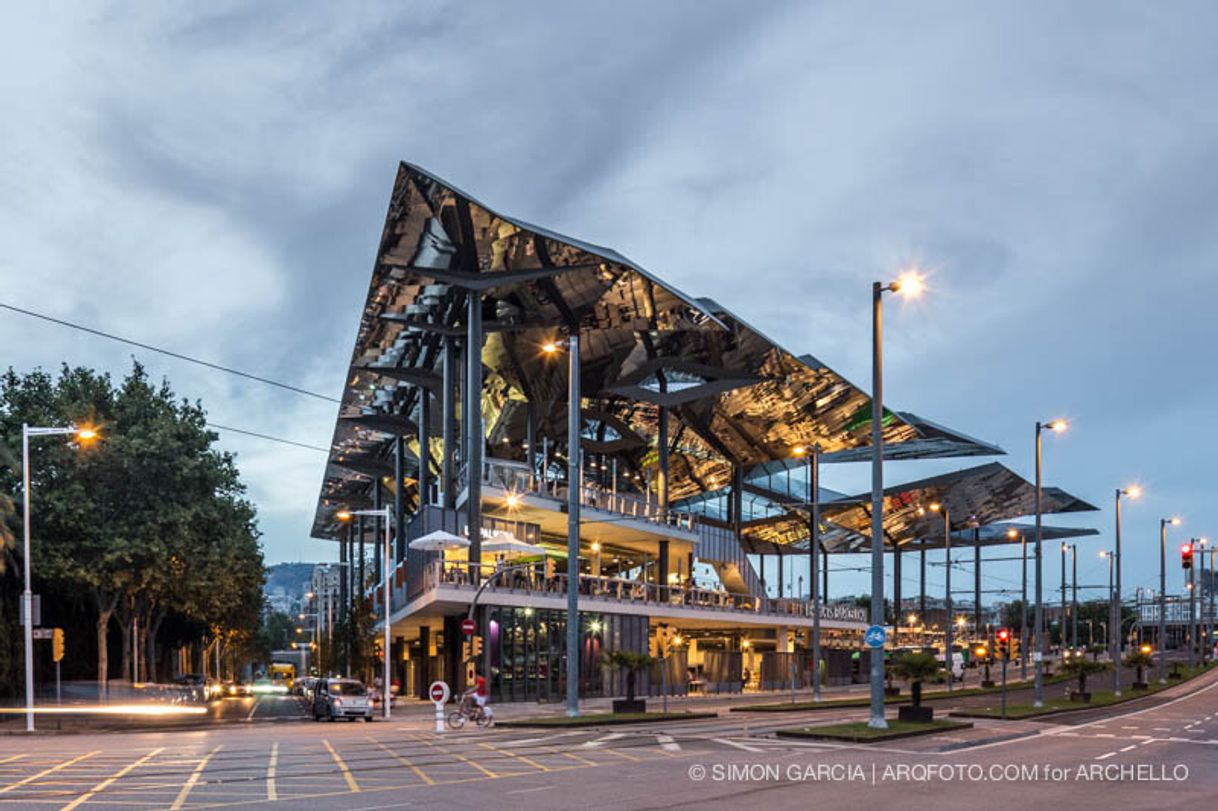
(504, 543)
(439, 541)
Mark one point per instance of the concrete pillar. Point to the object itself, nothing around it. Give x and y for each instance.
(663, 568)
(781, 577)
(424, 664)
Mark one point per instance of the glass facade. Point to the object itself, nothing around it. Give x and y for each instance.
(528, 652)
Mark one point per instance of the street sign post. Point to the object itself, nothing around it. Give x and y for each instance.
(439, 693)
(468, 626)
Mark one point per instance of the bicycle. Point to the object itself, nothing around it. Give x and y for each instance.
(470, 711)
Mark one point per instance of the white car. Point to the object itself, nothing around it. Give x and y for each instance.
(341, 698)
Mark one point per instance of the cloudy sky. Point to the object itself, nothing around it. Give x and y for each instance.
(213, 178)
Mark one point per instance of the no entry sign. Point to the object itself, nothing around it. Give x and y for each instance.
(438, 692)
(468, 626)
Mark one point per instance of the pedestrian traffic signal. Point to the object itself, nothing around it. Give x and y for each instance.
(57, 645)
(1186, 555)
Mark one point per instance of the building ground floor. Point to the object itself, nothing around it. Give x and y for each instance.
(522, 649)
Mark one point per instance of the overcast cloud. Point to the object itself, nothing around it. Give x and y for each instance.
(213, 178)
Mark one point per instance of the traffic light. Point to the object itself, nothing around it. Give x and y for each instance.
(1186, 555)
(57, 644)
(1002, 638)
(549, 568)
(475, 647)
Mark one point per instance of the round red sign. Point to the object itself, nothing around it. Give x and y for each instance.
(438, 693)
(468, 627)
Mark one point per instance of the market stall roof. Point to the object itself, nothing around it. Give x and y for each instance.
(733, 397)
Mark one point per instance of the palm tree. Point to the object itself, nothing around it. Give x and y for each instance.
(916, 668)
(632, 662)
(1082, 667)
(1139, 660)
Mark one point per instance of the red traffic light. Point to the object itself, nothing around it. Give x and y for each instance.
(1186, 555)
(1004, 634)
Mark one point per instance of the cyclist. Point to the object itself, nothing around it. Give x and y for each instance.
(480, 695)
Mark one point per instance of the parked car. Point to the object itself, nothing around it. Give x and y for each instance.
(341, 698)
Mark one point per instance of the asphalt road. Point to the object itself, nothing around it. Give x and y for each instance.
(1160, 756)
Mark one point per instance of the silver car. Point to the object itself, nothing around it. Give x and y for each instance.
(341, 698)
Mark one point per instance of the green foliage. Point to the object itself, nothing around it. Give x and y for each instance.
(628, 660)
(1139, 659)
(148, 520)
(916, 666)
(1081, 667)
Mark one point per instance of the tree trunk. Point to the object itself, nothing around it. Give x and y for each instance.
(915, 692)
(105, 610)
(153, 627)
(630, 685)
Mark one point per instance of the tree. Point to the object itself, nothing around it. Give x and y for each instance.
(916, 668)
(1139, 660)
(633, 663)
(147, 522)
(1082, 667)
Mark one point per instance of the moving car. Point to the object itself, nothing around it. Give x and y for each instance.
(341, 698)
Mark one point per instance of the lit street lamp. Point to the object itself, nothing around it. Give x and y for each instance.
(909, 284)
(1114, 610)
(84, 434)
(948, 659)
(1056, 426)
(386, 513)
(1163, 522)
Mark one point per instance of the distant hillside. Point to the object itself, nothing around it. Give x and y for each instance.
(293, 578)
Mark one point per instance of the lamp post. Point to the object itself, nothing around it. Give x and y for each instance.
(386, 513)
(1163, 522)
(812, 455)
(84, 434)
(1012, 534)
(1056, 426)
(1074, 595)
(1111, 556)
(1114, 609)
(909, 284)
(948, 659)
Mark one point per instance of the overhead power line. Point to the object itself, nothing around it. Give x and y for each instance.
(172, 354)
(267, 437)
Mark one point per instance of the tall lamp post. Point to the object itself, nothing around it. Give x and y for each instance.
(386, 595)
(1057, 426)
(1116, 643)
(910, 284)
(1012, 534)
(949, 623)
(83, 434)
(813, 456)
(1163, 522)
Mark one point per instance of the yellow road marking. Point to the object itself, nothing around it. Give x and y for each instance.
(613, 751)
(45, 772)
(554, 750)
(103, 785)
(272, 793)
(351, 784)
(521, 758)
(190, 781)
(11, 758)
(457, 755)
(422, 774)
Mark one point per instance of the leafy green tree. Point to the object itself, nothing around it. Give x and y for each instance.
(147, 522)
(916, 668)
(1081, 667)
(633, 663)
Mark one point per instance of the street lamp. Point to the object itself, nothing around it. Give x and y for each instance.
(910, 284)
(947, 625)
(1162, 643)
(386, 513)
(812, 454)
(1012, 534)
(1114, 609)
(1057, 426)
(84, 434)
(1110, 556)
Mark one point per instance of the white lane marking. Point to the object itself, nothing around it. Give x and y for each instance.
(529, 790)
(253, 709)
(272, 793)
(667, 743)
(1127, 748)
(542, 739)
(1103, 735)
(603, 740)
(192, 780)
(103, 785)
(1105, 756)
(738, 745)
